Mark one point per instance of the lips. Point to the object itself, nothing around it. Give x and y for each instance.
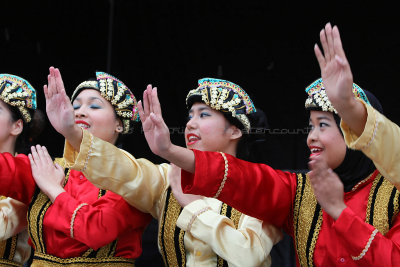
(315, 151)
(192, 139)
(82, 124)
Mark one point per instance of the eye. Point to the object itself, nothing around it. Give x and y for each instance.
(323, 124)
(204, 114)
(76, 106)
(95, 106)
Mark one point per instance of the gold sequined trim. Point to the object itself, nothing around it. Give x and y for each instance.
(225, 175)
(169, 225)
(374, 132)
(305, 209)
(45, 260)
(194, 217)
(4, 262)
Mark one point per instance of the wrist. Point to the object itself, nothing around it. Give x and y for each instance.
(54, 193)
(335, 214)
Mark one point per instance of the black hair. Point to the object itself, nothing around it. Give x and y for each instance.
(247, 148)
(30, 130)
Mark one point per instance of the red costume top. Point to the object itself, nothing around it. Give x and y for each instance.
(367, 233)
(93, 217)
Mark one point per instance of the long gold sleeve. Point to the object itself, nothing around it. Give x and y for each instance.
(249, 245)
(140, 182)
(379, 141)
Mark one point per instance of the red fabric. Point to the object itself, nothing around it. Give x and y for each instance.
(262, 192)
(95, 225)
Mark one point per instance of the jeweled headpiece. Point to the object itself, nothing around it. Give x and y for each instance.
(318, 99)
(18, 92)
(117, 93)
(224, 96)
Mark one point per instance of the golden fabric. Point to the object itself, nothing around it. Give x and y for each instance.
(379, 142)
(144, 185)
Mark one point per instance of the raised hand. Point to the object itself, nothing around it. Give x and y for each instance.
(155, 130)
(328, 188)
(174, 176)
(48, 176)
(335, 69)
(59, 108)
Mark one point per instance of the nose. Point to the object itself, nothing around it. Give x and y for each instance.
(80, 112)
(191, 124)
(312, 135)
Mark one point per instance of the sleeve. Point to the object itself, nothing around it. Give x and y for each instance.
(95, 224)
(265, 193)
(140, 182)
(378, 142)
(370, 247)
(16, 180)
(249, 245)
(12, 217)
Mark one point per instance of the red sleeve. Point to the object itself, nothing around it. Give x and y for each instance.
(254, 189)
(98, 224)
(16, 179)
(384, 250)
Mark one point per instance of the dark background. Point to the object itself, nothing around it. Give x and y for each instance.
(264, 46)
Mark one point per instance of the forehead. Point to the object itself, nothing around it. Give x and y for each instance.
(320, 115)
(89, 93)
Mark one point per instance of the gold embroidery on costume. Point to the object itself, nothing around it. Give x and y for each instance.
(104, 256)
(171, 237)
(45, 260)
(379, 199)
(307, 220)
(382, 208)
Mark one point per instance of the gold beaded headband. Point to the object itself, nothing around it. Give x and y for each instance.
(18, 92)
(117, 93)
(224, 96)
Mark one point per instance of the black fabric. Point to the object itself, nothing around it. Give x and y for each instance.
(356, 166)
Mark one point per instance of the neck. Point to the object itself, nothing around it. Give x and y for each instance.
(8, 146)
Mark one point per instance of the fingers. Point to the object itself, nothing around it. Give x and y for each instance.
(142, 115)
(156, 102)
(320, 57)
(337, 42)
(45, 154)
(324, 43)
(59, 82)
(329, 37)
(40, 156)
(146, 101)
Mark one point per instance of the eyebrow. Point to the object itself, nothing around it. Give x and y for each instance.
(90, 98)
(199, 109)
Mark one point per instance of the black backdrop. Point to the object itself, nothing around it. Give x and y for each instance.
(264, 46)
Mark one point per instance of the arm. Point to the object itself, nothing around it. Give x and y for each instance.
(140, 182)
(249, 245)
(383, 250)
(378, 141)
(255, 189)
(12, 217)
(338, 79)
(95, 224)
(16, 179)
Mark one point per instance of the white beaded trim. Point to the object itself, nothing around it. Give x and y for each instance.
(225, 176)
(189, 226)
(88, 154)
(362, 254)
(374, 133)
(73, 219)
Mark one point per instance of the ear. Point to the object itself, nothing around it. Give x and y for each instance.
(236, 133)
(17, 127)
(119, 127)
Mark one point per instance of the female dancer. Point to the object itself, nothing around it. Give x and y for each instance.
(192, 230)
(17, 120)
(71, 222)
(346, 218)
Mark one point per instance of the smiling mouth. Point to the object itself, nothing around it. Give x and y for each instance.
(316, 151)
(192, 139)
(83, 125)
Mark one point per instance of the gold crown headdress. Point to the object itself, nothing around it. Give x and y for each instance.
(224, 96)
(318, 99)
(117, 93)
(18, 92)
